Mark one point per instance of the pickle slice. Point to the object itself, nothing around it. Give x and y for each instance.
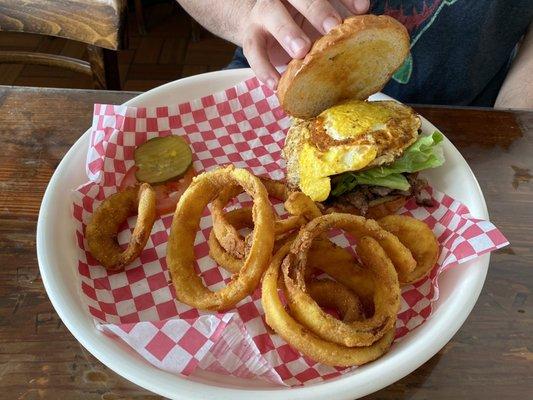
(162, 158)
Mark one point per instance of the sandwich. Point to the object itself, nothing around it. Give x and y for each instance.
(342, 150)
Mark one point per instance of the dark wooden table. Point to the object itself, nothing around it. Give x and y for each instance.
(491, 357)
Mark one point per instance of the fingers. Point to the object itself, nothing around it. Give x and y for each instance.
(320, 13)
(256, 52)
(361, 6)
(357, 6)
(277, 20)
(271, 19)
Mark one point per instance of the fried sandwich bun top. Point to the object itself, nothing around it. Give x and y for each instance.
(353, 61)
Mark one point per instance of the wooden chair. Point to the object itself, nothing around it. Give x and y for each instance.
(101, 24)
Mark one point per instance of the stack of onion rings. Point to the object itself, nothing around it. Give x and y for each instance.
(239, 218)
(386, 287)
(338, 263)
(304, 339)
(227, 234)
(394, 251)
(180, 251)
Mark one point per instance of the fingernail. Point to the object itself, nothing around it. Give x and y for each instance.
(271, 83)
(361, 6)
(297, 45)
(330, 23)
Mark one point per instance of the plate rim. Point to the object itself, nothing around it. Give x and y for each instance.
(346, 386)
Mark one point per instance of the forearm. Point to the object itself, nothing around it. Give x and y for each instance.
(517, 89)
(224, 18)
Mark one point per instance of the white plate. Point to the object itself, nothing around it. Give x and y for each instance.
(56, 251)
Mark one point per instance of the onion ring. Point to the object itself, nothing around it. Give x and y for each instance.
(101, 231)
(229, 237)
(339, 264)
(419, 239)
(301, 337)
(401, 257)
(298, 203)
(180, 252)
(331, 294)
(239, 218)
(386, 287)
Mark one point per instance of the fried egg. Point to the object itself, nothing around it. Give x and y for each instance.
(347, 137)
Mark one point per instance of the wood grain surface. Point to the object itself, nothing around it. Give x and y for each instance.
(491, 357)
(165, 53)
(97, 22)
(50, 60)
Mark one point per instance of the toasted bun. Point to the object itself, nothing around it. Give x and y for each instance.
(353, 61)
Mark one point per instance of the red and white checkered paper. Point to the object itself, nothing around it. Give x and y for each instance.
(245, 126)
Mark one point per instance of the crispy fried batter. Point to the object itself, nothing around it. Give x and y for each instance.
(331, 294)
(239, 218)
(228, 236)
(101, 231)
(386, 287)
(338, 263)
(299, 204)
(180, 251)
(419, 239)
(303, 339)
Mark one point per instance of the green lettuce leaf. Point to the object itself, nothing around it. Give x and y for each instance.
(425, 153)
(348, 181)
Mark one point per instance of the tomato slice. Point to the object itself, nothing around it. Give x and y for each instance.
(129, 179)
(167, 194)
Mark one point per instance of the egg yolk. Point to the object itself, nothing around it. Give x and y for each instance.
(354, 118)
(316, 166)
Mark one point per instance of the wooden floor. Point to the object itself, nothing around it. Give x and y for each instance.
(164, 54)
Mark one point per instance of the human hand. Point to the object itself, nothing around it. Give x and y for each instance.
(278, 30)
